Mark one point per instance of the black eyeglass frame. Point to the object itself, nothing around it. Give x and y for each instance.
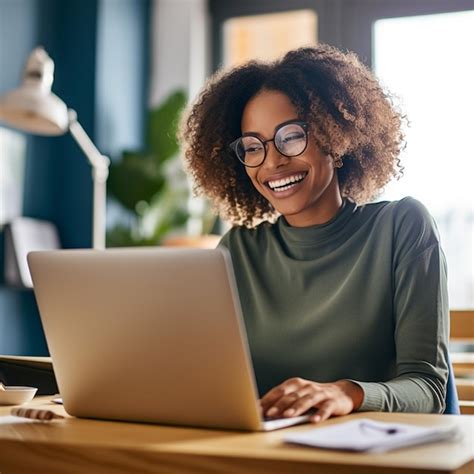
(303, 125)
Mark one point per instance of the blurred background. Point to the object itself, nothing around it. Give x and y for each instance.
(128, 67)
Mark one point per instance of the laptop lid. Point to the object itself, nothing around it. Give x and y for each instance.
(148, 335)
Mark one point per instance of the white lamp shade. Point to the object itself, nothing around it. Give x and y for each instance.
(33, 107)
(29, 108)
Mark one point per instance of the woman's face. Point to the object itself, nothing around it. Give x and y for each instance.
(315, 198)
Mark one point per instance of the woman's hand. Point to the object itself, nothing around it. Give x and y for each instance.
(296, 396)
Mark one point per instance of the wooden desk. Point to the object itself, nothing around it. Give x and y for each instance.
(88, 446)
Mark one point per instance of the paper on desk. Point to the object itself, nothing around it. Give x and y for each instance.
(9, 420)
(370, 435)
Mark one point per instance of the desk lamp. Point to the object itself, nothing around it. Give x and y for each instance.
(35, 109)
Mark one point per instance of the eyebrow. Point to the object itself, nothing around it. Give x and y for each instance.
(245, 134)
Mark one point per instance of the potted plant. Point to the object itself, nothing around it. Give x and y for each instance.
(152, 186)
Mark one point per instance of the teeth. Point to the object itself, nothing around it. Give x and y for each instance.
(284, 188)
(286, 181)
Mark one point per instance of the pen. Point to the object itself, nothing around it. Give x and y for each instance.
(35, 414)
(381, 429)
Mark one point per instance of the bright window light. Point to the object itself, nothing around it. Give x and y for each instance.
(427, 61)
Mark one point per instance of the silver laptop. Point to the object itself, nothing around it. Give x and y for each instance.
(149, 335)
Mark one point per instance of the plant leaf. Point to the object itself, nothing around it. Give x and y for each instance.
(135, 178)
(163, 126)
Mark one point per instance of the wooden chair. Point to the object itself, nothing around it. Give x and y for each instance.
(462, 332)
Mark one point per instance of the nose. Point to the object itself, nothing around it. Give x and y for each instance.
(274, 158)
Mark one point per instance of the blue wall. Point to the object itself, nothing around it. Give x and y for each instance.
(100, 49)
(122, 76)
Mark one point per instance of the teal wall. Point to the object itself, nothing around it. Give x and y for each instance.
(100, 49)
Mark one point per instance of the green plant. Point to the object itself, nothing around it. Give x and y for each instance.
(151, 184)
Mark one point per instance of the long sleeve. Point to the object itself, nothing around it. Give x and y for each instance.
(421, 324)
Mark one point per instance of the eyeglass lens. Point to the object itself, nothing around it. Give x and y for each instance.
(290, 140)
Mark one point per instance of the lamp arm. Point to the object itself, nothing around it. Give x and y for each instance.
(98, 161)
(100, 171)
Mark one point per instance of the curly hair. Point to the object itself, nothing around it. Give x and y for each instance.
(351, 118)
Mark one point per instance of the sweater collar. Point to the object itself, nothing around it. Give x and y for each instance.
(318, 233)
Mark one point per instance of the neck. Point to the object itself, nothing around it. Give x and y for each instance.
(323, 209)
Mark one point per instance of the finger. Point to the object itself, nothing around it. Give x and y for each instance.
(282, 404)
(284, 388)
(279, 391)
(272, 397)
(288, 401)
(304, 403)
(301, 405)
(325, 410)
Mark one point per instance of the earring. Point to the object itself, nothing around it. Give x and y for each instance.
(338, 162)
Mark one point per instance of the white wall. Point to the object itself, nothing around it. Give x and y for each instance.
(180, 51)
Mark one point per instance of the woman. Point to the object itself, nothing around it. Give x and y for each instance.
(345, 303)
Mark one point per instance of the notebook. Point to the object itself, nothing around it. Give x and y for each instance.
(371, 436)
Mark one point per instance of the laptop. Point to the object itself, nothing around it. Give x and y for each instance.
(150, 335)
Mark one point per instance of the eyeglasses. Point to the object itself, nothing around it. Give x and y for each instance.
(290, 139)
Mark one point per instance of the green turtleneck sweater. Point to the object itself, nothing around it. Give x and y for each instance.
(361, 297)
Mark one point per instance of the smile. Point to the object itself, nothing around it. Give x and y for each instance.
(284, 184)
